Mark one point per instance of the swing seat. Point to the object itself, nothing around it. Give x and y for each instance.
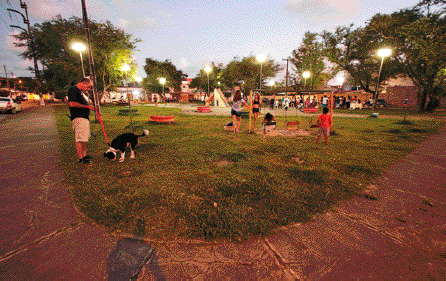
(311, 110)
(269, 126)
(294, 125)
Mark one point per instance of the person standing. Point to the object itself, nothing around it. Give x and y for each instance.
(324, 122)
(324, 101)
(256, 105)
(80, 117)
(271, 102)
(236, 110)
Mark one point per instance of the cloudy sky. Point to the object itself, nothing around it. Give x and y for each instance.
(193, 33)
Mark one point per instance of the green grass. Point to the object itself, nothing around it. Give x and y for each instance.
(193, 179)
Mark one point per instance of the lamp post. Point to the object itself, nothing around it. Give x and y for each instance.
(306, 75)
(126, 68)
(79, 47)
(162, 82)
(261, 58)
(208, 69)
(381, 53)
(271, 84)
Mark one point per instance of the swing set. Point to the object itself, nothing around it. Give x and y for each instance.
(294, 125)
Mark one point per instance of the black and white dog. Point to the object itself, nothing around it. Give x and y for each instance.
(121, 142)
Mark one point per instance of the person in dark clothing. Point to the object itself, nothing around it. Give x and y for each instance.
(80, 117)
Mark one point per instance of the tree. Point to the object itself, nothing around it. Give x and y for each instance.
(51, 46)
(246, 72)
(309, 57)
(354, 50)
(215, 76)
(157, 69)
(418, 42)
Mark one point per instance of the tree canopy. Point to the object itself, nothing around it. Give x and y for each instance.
(156, 69)
(52, 47)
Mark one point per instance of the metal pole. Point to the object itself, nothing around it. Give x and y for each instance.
(377, 84)
(90, 58)
(261, 64)
(208, 84)
(82, 63)
(7, 81)
(286, 75)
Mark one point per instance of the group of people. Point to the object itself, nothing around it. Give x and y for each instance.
(324, 121)
(80, 112)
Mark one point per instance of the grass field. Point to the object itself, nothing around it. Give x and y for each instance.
(193, 179)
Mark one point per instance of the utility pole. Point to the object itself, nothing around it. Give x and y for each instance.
(7, 81)
(286, 77)
(90, 58)
(26, 21)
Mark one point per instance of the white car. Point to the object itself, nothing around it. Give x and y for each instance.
(9, 105)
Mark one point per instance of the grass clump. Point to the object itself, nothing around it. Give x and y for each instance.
(193, 179)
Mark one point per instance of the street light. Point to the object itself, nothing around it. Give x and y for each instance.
(306, 74)
(271, 83)
(162, 82)
(261, 58)
(79, 47)
(341, 80)
(208, 69)
(381, 53)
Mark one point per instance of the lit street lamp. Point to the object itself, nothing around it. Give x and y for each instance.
(381, 53)
(306, 74)
(271, 84)
(341, 80)
(162, 82)
(79, 47)
(208, 69)
(261, 58)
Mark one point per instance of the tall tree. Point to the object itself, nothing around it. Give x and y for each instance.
(215, 76)
(156, 69)
(245, 72)
(51, 45)
(309, 57)
(418, 42)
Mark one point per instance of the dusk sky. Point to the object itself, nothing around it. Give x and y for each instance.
(194, 33)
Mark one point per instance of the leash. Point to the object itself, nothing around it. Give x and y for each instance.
(102, 124)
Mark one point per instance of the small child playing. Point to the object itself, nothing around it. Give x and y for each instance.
(324, 123)
(269, 122)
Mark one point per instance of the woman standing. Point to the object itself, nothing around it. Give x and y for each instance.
(257, 103)
(236, 110)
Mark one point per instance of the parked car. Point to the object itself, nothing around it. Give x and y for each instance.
(9, 105)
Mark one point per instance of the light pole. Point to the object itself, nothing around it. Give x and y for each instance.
(124, 69)
(271, 84)
(381, 53)
(261, 58)
(208, 69)
(162, 82)
(306, 75)
(79, 47)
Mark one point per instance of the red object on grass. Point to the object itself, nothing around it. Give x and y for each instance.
(162, 119)
(102, 124)
(203, 109)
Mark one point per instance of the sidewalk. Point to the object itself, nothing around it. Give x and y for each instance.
(395, 228)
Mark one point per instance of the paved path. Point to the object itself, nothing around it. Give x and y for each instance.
(395, 228)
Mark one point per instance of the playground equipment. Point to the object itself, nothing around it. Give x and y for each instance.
(162, 119)
(218, 98)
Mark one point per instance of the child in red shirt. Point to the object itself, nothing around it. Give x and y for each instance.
(324, 122)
